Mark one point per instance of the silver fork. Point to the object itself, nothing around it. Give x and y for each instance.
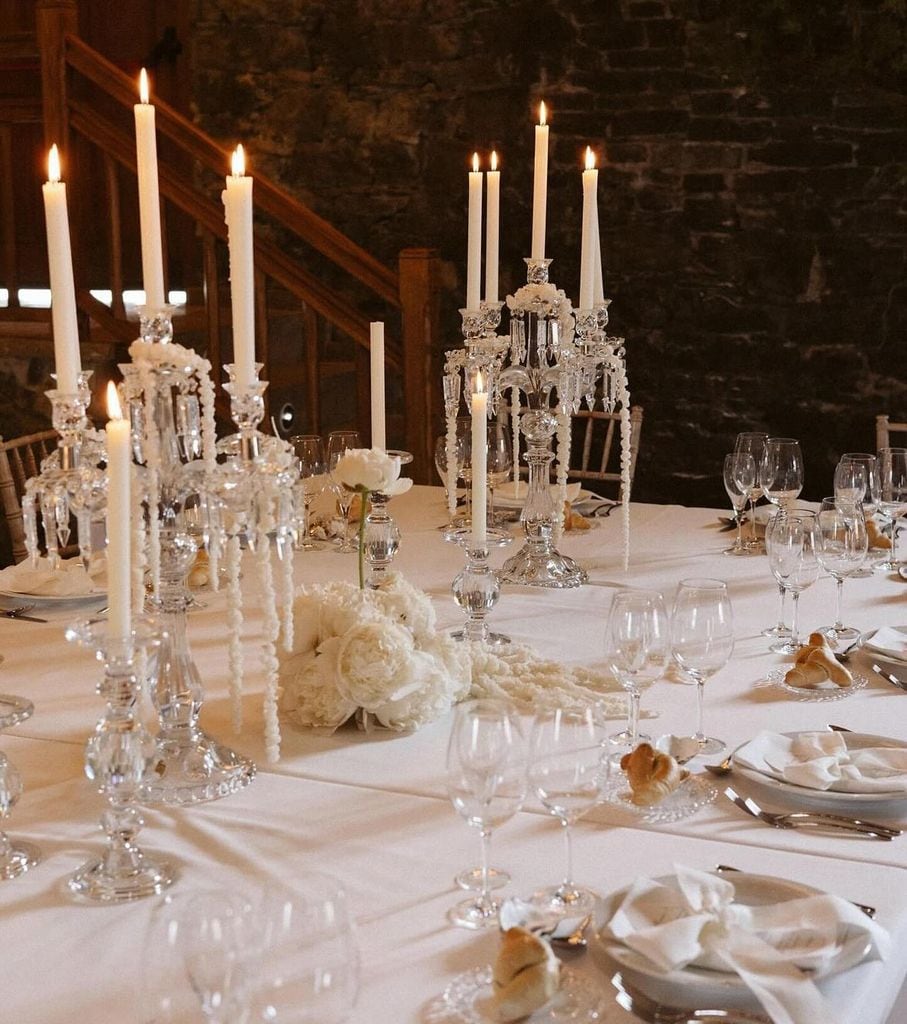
(809, 819)
(19, 612)
(899, 683)
(869, 911)
(638, 1003)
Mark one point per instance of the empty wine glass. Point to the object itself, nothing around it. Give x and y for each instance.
(500, 462)
(781, 471)
(739, 482)
(202, 954)
(567, 771)
(339, 442)
(792, 543)
(702, 640)
(893, 494)
(637, 649)
(310, 971)
(751, 442)
(867, 475)
(842, 550)
(486, 783)
(309, 452)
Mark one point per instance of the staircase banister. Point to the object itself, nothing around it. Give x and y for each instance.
(269, 197)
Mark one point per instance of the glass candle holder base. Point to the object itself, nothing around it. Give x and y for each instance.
(19, 857)
(121, 874)
(536, 565)
(476, 590)
(193, 768)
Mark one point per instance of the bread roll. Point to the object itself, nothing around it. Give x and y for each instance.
(806, 676)
(573, 520)
(525, 975)
(835, 671)
(875, 537)
(652, 775)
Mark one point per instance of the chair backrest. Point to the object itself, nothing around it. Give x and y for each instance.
(20, 460)
(885, 428)
(594, 433)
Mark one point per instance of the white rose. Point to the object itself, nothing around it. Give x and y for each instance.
(428, 700)
(310, 694)
(372, 469)
(404, 603)
(374, 664)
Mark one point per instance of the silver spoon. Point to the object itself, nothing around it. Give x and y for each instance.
(899, 683)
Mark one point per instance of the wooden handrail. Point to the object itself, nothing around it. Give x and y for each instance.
(270, 198)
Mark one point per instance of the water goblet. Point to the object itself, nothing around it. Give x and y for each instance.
(309, 452)
(637, 650)
(339, 442)
(862, 470)
(309, 973)
(842, 550)
(500, 463)
(702, 640)
(751, 442)
(781, 471)
(893, 494)
(739, 482)
(792, 544)
(567, 771)
(486, 783)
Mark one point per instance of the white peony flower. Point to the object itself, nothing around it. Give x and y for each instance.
(309, 689)
(371, 469)
(430, 698)
(374, 664)
(405, 604)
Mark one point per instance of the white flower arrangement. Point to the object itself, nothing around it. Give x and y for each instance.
(377, 653)
(371, 469)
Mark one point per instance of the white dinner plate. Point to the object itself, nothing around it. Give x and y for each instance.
(866, 641)
(698, 986)
(504, 495)
(893, 803)
(10, 597)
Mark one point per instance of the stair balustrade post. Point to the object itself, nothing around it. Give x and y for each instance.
(53, 20)
(420, 315)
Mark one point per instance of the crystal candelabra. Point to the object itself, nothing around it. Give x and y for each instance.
(117, 756)
(15, 856)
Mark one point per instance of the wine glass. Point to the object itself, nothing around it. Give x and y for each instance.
(339, 442)
(792, 543)
(861, 468)
(500, 462)
(309, 452)
(202, 954)
(739, 482)
(893, 493)
(637, 646)
(781, 471)
(486, 783)
(751, 442)
(310, 971)
(842, 550)
(567, 770)
(702, 640)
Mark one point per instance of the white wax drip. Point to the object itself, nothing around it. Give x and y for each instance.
(234, 628)
(286, 597)
(563, 464)
(269, 662)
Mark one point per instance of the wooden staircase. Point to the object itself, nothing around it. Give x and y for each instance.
(316, 289)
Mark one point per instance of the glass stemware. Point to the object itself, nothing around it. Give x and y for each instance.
(567, 771)
(637, 646)
(486, 783)
(309, 452)
(340, 441)
(752, 442)
(854, 471)
(781, 471)
(893, 494)
(841, 551)
(702, 640)
(739, 482)
(792, 544)
(310, 971)
(500, 463)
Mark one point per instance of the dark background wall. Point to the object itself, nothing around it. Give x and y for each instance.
(753, 201)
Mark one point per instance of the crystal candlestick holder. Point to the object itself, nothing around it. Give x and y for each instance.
(247, 407)
(381, 535)
(15, 856)
(156, 324)
(476, 590)
(116, 758)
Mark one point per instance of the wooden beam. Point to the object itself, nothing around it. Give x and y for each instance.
(54, 21)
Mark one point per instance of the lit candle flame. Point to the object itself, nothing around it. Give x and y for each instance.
(475, 163)
(480, 383)
(53, 164)
(114, 410)
(238, 162)
(543, 113)
(494, 160)
(143, 86)
(590, 159)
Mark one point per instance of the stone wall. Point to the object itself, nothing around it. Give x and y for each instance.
(753, 204)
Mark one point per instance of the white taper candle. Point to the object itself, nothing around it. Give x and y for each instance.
(237, 198)
(492, 230)
(376, 356)
(479, 466)
(540, 186)
(474, 237)
(587, 252)
(149, 198)
(119, 468)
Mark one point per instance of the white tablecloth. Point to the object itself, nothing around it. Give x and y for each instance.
(373, 810)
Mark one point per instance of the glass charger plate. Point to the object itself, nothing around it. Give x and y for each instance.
(698, 986)
(51, 600)
(865, 641)
(831, 692)
(694, 793)
(467, 1000)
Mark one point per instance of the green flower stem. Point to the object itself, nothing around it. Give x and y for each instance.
(363, 492)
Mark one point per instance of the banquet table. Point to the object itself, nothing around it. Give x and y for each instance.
(372, 809)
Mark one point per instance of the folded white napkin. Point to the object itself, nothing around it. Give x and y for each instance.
(69, 580)
(890, 641)
(822, 760)
(692, 919)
